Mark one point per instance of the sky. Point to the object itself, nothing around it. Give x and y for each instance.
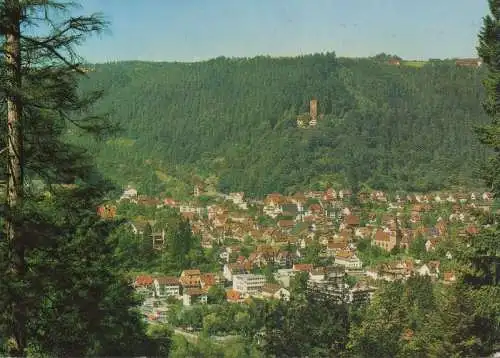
(194, 30)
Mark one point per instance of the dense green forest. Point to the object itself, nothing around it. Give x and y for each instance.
(385, 126)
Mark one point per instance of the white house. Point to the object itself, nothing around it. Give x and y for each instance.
(129, 193)
(348, 259)
(276, 292)
(273, 210)
(429, 269)
(229, 270)
(248, 283)
(187, 209)
(167, 286)
(237, 198)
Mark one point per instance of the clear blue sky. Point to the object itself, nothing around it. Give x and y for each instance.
(192, 30)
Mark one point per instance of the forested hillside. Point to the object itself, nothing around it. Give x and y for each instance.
(386, 126)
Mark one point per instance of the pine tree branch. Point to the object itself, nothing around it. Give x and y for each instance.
(54, 52)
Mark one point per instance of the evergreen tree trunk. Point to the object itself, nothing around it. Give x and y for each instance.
(15, 169)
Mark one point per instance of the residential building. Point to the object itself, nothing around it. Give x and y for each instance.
(361, 292)
(385, 239)
(429, 269)
(167, 286)
(348, 259)
(129, 193)
(274, 291)
(248, 283)
(190, 278)
(144, 284)
(194, 295)
(302, 267)
(230, 270)
(328, 283)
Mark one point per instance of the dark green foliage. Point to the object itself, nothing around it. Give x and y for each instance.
(387, 126)
(417, 248)
(370, 254)
(398, 311)
(489, 50)
(216, 294)
(305, 326)
(61, 290)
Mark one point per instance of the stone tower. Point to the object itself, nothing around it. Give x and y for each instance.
(313, 109)
(313, 112)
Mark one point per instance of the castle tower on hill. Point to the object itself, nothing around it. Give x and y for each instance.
(313, 109)
(309, 119)
(313, 112)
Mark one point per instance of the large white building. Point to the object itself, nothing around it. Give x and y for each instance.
(349, 260)
(248, 283)
(166, 286)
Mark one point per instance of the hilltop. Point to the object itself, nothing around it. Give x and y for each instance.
(379, 124)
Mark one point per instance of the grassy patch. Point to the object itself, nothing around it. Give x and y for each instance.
(122, 142)
(162, 176)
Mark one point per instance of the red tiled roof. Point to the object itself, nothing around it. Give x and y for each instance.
(207, 279)
(286, 223)
(303, 267)
(193, 272)
(352, 220)
(167, 280)
(380, 235)
(143, 280)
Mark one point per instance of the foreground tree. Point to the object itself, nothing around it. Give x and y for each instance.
(307, 325)
(482, 274)
(469, 320)
(60, 292)
(389, 324)
(489, 51)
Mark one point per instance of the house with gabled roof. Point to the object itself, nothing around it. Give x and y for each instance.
(286, 225)
(352, 221)
(385, 239)
(333, 247)
(237, 198)
(190, 278)
(194, 295)
(329, 195)
(285, 258)
(314, 210)
(302, 267)
(144, 284)
(429, 269)
(166, 286)
(208, 280)
(129, 193)
(274, 199)
(235, 269)
(348, 259)
(275, 291)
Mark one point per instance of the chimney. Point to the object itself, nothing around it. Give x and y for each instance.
(313, 109)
